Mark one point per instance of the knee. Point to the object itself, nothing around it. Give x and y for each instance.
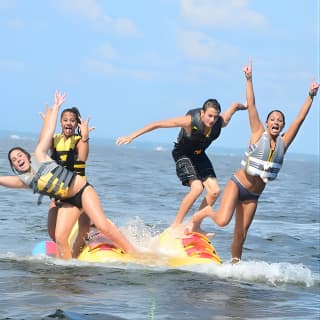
(221, 220)
(196, 189)
(213, 193)
(61, 239)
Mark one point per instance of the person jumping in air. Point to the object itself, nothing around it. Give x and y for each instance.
(261, 163)
(199, 128)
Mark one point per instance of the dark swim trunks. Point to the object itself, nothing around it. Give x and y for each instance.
(244, 194)
(195, 167)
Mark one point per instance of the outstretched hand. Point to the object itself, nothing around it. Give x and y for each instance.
(124, 140)
(84, 126)
(42, 115)
(314, 88)
(59, 98)
(241, 106)
(247, 69)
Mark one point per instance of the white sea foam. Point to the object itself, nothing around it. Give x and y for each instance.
(160, 148)
(274, 274)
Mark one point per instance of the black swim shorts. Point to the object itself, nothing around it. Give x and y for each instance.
(195, 167)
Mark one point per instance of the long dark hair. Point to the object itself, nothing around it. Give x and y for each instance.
(77, 115)
(20, 149)
(269, 114)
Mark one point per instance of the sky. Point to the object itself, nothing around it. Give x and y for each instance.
(127, 63)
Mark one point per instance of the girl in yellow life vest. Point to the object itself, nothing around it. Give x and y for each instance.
(261, 164)
(45, 176)
(70, 148)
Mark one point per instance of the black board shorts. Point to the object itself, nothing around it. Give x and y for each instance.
(194, 167)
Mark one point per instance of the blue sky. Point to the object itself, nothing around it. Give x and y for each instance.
(128, 63)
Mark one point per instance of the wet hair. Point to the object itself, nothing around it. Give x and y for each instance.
(76, 113)
(269, 114)
(20, 149)
(211, 103)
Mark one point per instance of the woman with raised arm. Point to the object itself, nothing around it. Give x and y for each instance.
(39, 172)
(261, 163)
(70, 148)
(199, 128)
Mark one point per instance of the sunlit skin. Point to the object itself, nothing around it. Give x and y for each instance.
(69, 124)
(68, 214)
(20, 161)
(230, 202)
(275, 124)
(209, 117)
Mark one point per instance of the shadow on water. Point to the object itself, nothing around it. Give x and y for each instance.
(69, 315)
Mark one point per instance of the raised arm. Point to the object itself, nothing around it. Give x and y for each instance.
(48, 127)
(183, 122)
(254, 120)
(83, 144)
(294, 127)
(227, 115)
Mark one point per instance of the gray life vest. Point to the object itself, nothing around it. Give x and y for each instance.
(260, 161)
(48, 178)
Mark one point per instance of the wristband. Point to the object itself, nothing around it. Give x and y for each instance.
(312, 94)
(85, 140)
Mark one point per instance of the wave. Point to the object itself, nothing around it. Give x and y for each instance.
(271, 274)
(274, 274)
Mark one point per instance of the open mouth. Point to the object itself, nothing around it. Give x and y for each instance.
(21, 165)
(68, 130)
(275, 128)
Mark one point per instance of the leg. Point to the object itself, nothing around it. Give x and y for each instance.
(67, 217)
(196, 189)
(213, 190)
(52, 219)
(223, 216)
(245, 212)
(92, 207)
(84, 225)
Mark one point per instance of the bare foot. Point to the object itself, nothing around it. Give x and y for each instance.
(235, 260)
(191, 227)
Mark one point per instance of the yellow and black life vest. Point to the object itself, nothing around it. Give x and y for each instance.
(65, 153)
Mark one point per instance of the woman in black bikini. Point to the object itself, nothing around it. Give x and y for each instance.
(39, 172)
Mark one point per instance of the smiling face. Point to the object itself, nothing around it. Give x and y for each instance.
(20, 160)
(275, 123)
(69, 123)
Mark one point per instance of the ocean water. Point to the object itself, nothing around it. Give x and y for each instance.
(278, 278)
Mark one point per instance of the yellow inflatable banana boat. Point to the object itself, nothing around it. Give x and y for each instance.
(176, 251)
